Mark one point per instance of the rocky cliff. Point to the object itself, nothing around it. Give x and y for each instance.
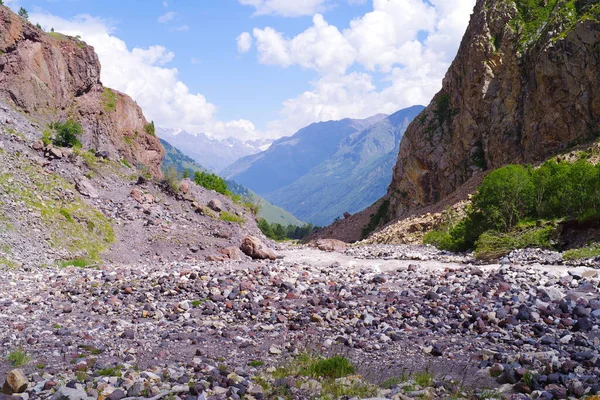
(524, 86)
(53, 77)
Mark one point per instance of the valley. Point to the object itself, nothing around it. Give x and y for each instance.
(459, 253)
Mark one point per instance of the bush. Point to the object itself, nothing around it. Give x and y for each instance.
(171, 180)
(67, 133)
(109, 100)
(150, 129)
(211, 182)
(493, 245)
(505, 197)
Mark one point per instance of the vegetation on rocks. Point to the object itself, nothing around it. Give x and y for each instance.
(109, 100)
(512, 197)
(67, 133)
(211, 182)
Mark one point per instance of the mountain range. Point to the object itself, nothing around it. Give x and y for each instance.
(212, 153)
(327, 168)
(273, 214)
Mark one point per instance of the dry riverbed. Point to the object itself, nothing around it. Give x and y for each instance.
(412, 321)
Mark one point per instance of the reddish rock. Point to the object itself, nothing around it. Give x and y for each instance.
(331, 245)
(254, 248)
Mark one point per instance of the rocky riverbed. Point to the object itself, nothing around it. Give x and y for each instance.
(225, 329)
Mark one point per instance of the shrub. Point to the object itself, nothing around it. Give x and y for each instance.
(279, 232)
(77, 262)
(171, 180)
(150, 129)
(492, 245)
(377, 218)
(211, 182)
(67, 133)
(505, 197)
(47, 137)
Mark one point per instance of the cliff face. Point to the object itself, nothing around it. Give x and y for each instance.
(524, 86)
(53, 77)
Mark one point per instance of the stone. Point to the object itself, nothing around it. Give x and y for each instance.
(86, 188)
(16, 382)
(137, 195)
(215, 205)
(66, 393)
(232, 253)
(331, 245)
(254, 248)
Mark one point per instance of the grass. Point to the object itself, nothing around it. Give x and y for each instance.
(230, 217)
(9, 263)
(77, 262)
(125, 163)
(109, 100)
(18, 358)
(73, 226)
(492, 245)
(333, 368)
(116, 371)
(388, 383)
(423, 379)
(582, 253)
(256, 363)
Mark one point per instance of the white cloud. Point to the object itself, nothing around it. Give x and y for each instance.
(165, 4)
(411, 42)
(244, 42)
(168, 16)
(321, 47)
(286, 8)
(181, 28)
(143, 74)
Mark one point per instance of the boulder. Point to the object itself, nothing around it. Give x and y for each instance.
(66, 393)
(137, 195)
(86, 188)
(54, 153)
(254, 248)
(37, 145)
(232, 253)
(185, 186)
(215, 205)
(331, 245)
(16, 382)
(103, 154)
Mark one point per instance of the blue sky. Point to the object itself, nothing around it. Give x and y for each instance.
(296, 61)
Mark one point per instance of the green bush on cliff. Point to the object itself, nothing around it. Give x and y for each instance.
(67, 133)
(509, 198)
(211, 182)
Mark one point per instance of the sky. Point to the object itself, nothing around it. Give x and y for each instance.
(264, 68)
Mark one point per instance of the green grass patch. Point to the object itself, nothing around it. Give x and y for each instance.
(18, 358)
(109, 100)
(423, 379)
(492, 245)
(230, 217)
(78, 262)
(582, 253)
(125, 163)
(74, 225)
(333, 367)
(116, 371)
(256, 363)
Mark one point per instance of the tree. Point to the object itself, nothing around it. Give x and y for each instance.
(23, 13)
(67, 133)
(1, 2)
(211, 182)
(186, 173)
(506, 196)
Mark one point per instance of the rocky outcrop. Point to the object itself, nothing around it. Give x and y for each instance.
(520, 90)
(53, 77)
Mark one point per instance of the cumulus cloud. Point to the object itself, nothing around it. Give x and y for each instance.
(244, 42)
(143, 73)
(321, 47)
(168, 16)
(411, 43)
(286, 8)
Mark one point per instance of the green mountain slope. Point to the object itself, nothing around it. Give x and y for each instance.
(273, 214)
